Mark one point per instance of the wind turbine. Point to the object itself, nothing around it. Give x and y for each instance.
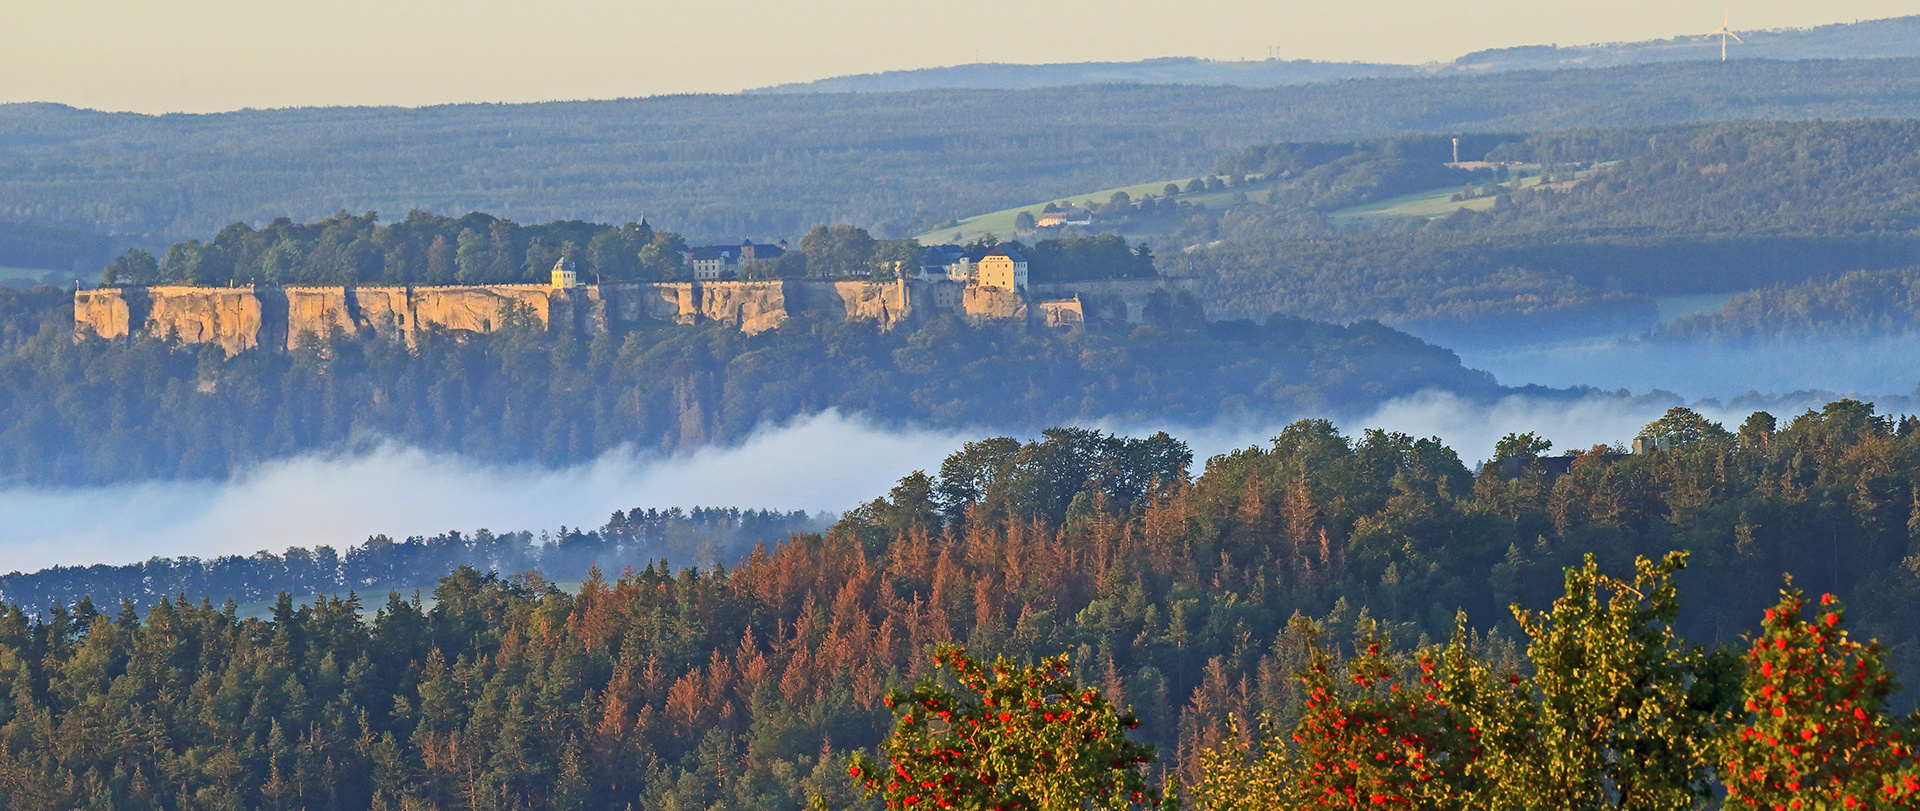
(1723, 33)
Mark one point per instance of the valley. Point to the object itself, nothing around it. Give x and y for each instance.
(1531, 428)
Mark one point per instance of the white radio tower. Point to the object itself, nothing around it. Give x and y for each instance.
(1724, 33)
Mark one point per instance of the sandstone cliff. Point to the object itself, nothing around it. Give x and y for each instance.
(754, 307)
(478, 309)
(235, 319)
(243, 318)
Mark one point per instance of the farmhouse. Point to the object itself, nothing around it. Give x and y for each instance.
(1070, 216)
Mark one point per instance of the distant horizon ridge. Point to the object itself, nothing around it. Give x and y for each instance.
(1519, 57)
(1887, 37)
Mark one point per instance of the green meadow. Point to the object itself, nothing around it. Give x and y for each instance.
(1000, 223)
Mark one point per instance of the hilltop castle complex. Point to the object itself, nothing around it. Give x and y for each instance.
(239, 319)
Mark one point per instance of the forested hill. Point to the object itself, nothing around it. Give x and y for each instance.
(1627, 214)
(701, 537)
(96, 411)
(723, 167)
(745, 688)
(1862, 303)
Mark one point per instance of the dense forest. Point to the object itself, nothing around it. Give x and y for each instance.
(47, 247)
(701, 536)
(97, 411)
(1627, 214)
(427, 249)
(1862, 303)
(1176, 594)
(719, 168)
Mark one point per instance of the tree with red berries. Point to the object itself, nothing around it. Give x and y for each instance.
(1817, 734)
(1012, 737)
(1378, 735)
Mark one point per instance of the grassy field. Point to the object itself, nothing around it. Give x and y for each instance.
(1000, 223)
(1417, 205)
(1425, 204)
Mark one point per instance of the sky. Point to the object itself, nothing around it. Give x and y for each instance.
(214, 55)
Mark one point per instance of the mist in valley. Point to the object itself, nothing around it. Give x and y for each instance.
(1881, 367)
(825, 463)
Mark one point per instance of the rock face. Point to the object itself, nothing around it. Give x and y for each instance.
(992, 304)
(242, 318)
(481, 309)
(236, 319)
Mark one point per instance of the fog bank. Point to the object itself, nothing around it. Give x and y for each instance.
(827, 462)
(824, 462)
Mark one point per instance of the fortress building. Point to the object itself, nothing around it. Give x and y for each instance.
(715, 262)
(1003, 268)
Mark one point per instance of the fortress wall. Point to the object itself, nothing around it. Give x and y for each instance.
(1129, 301)
(400, 313)
(888, 303)
(629, 304)
(386, 311)
(316, 313)
(666, 302)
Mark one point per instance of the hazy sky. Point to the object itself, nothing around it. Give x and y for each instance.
(205, 55)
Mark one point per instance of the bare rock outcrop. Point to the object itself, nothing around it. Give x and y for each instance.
(754, 307)
(993, 304)
(479, 308)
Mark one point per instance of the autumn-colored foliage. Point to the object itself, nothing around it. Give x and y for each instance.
(1621, 701)
(1371, 737)
(749, 687)
(1012, 737)
(1817, 733)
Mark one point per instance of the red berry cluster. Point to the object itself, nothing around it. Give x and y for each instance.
(1012, 737)
(1384, 741)
(1816, 733)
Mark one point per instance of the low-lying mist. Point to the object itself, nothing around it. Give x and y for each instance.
(826, 462)
(1886, 365)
